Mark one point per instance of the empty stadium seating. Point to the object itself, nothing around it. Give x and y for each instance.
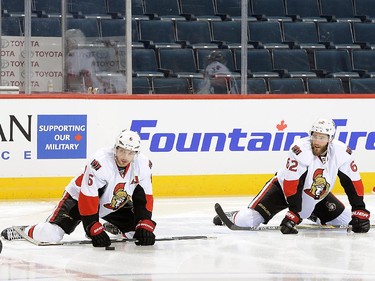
(14, 7)
(162, 9)
(157, 34)
(286, 86)
(47, 7)
(227, 34)
(10, 26)
(231, 10)
(286, 38)
(305, 11)
(325, 86)
(46, 27)
(178, 62)
(362, 86)
(199, 10)
(292, 63)
(266, 34)
(254, 85)
(171, 85)
(141, 85)
(270, 10)
(302, 35)
(194, 34)
(259, 63)
(338, 10)
(334, 63)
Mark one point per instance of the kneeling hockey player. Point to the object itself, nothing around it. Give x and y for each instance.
(116, 187)
(305, 183)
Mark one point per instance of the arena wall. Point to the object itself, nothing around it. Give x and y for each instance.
(199, 145)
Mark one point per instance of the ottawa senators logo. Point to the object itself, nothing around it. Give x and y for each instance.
(119, 199)
(319, 186)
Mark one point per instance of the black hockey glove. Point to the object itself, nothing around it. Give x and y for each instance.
(99, 237)
(360, 221)
(289, 222)
(144, 233)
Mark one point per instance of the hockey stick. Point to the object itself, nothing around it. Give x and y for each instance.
(87, 242)
(220, 212)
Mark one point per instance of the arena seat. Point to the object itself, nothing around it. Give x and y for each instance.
(266, 34)
(88, 9)
(11, 26)
(116, 8)
(334, 63)
(51, 8)
(365, 9)
(14, 7)
(171, 85)
(305, 11)
(162, 9)
(157, 34)
(302, 35)
(338, 10)
(46, 27)
(337, 35)
(178, 63)
(227, 34)
(325, 86)
(292, 63)
(269, 10)
(141, 85)
(286, 86)
(259, 63)
(114, 29)
(198, 10)
(144, 62)
(362, 86)
(232, 10)
(364, 34)
(194, 34)
(254, 85)
(363, 62)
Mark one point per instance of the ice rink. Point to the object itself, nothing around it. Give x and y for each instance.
(226, 255)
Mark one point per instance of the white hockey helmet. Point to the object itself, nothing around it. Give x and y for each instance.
(324, 126)
(74, 38)
(128, 140)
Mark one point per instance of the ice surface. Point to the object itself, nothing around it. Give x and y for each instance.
(227, 255)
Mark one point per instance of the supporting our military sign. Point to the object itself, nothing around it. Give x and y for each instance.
(62, 136)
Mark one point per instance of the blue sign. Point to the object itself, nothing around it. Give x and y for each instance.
(62, 136)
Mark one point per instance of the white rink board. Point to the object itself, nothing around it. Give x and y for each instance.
(237, 121)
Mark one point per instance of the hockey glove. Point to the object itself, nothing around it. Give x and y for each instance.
(360, 221)
(99, 237)
(289, 222)
(144, 233)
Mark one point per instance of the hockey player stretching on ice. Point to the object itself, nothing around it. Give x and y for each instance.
(115, 186)
(304, 186)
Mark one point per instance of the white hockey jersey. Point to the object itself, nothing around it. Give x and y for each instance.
(306, 179)
(103, 185)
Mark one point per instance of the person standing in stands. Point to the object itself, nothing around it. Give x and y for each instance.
(217, 77)
(81, 66)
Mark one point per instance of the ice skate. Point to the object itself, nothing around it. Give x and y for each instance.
(11, 234)
(230, 215)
